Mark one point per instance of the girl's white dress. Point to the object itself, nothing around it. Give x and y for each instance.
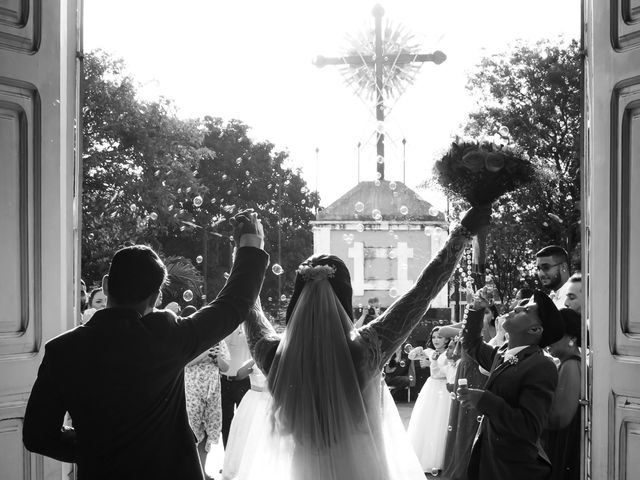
(251, 415)
(428, 426)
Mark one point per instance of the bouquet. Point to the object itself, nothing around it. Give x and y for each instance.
(480, 172)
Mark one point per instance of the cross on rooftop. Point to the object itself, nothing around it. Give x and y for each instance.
(378, 61)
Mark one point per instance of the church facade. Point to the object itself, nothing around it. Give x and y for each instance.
(386, 234)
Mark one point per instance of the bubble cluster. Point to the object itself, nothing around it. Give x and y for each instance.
(187, 296)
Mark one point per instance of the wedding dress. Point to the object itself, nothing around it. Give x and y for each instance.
(329, 415)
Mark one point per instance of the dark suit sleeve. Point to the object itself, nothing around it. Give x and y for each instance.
(535, 396)
(472, 341)
(212, 323)
(42, 429)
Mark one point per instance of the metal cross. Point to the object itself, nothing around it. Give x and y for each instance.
(378, 61)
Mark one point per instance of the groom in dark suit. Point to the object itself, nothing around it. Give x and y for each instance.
(120, 376)
(518, 394)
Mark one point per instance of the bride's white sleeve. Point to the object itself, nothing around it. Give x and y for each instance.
(392, 327)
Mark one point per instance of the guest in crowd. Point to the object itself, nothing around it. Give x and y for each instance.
(574, 293)
(121, 375)
(552, 263)
(430, 416)
(83, 296)
(522, 294)
(371, 312)
(463, 420)
(202, 390)
(397, 374)
(97, 301)
(253, 409)
(235, 381)
(518, 394)
(563, 429)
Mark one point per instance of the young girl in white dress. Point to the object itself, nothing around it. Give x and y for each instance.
(429, 419)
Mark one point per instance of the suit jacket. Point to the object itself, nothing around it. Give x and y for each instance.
(120, 377)
(515, 405)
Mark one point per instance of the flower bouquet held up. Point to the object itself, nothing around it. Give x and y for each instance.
(480, 172)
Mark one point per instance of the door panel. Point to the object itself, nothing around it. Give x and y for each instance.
(612, 231)
(38, 191)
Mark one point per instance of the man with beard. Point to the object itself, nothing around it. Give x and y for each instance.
(552, 263)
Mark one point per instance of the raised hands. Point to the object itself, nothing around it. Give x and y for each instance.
(247, 229)
(477, 218)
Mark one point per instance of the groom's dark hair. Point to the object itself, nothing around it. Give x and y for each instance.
(135, 273)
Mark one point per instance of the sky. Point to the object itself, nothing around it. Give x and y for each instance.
(251, 60)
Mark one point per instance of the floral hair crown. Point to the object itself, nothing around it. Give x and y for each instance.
(316, 272)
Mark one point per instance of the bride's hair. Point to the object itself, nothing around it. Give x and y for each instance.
(316, 391)
(340, 282)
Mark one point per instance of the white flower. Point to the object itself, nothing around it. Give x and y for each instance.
(317, 272)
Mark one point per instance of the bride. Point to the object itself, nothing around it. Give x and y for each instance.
(329, 416)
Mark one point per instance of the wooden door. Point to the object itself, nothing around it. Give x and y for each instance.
(39, 192)
(611, 219)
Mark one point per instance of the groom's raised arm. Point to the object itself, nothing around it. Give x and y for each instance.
(214, 322)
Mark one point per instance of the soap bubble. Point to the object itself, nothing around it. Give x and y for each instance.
(380, 159)
(238, 160)
(283, 298)
(392, 254)
(197, 201)
(377, 182)
(187, 295)
(393, 292)
(392, 185)
(133, 207)
(277, 269)
(376, 214)
(503, 131)
(378, 176)
(404, 210)
(199, 259)
(224, 176)
(435, 472)
(153, 216)
(359, 207)
(433, 212)
(360, 228)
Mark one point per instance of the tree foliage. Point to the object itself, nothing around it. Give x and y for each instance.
(152, 177)
(535, 91)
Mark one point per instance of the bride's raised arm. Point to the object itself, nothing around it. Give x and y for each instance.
(393, 327)
(261, 336)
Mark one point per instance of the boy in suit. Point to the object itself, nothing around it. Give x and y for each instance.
(517, 397)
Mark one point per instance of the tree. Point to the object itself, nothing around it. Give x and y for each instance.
(135, 155)
(151, 177)
(534, 91)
